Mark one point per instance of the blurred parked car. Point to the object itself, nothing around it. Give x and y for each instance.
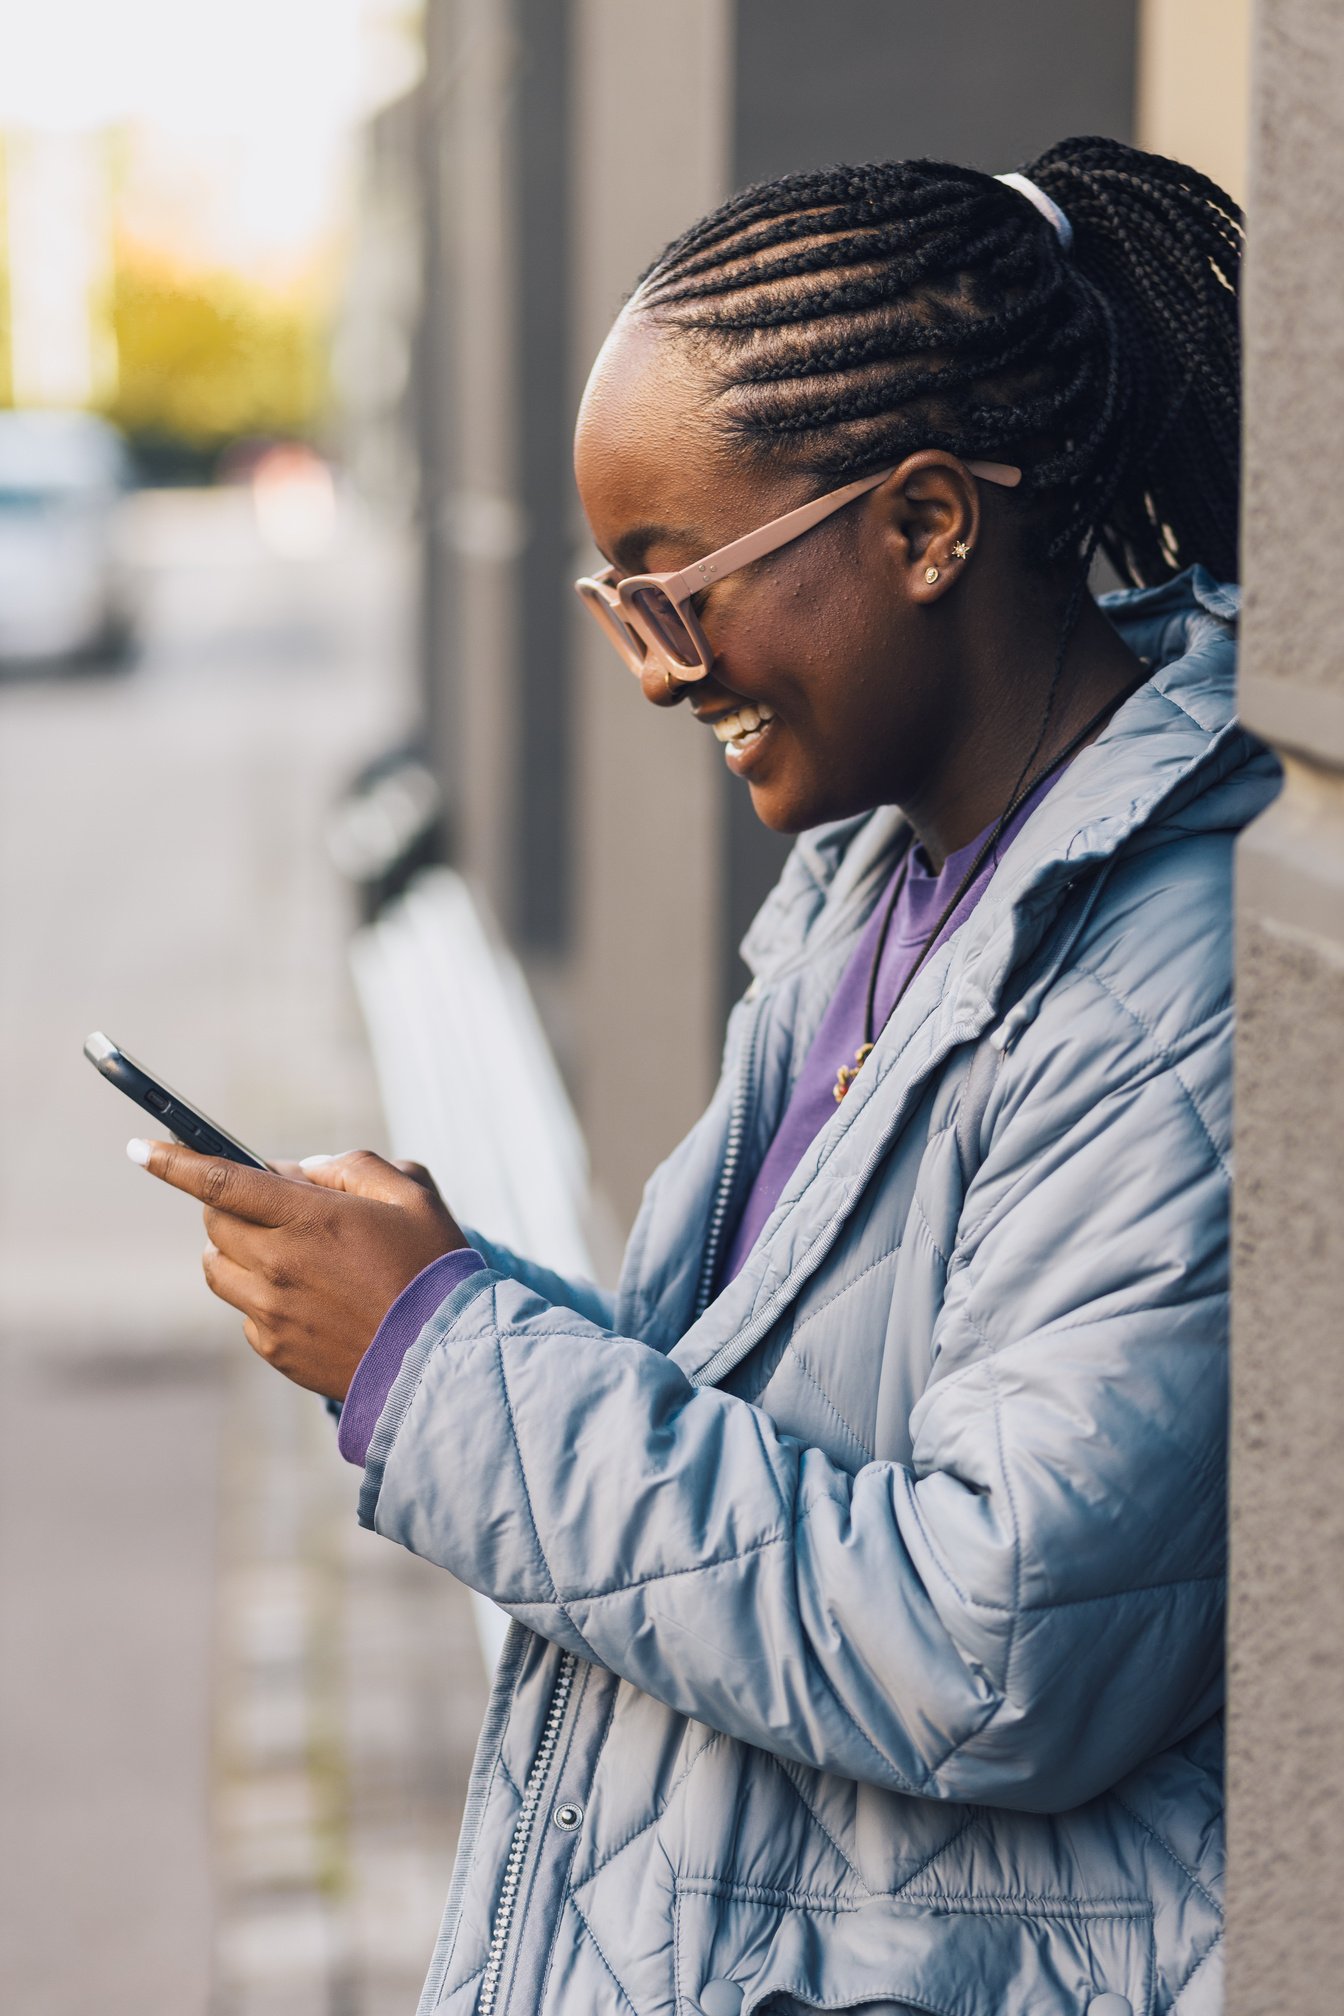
(65, 593)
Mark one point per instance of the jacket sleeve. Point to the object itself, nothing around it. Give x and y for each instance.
(1020, 1615)
(583, 1296)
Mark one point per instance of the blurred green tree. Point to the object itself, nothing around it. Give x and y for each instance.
(6, 390)
(208, 358)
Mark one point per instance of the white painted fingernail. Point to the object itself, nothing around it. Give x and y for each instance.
(138, 1151)
(315, 1161)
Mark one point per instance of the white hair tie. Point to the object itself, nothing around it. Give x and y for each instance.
(1047, 205)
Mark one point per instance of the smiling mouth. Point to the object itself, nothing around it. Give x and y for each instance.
(745, 725)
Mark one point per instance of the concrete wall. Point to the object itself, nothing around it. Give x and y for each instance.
(1286, 1717)
(649, 161)
(546, 730)
(476, 523)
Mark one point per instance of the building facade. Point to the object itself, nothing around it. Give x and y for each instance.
(570, 140)
(563, 142)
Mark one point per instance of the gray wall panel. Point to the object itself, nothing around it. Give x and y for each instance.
(863, 80)
(867, 80)
(542, 874)
(1286, 1628)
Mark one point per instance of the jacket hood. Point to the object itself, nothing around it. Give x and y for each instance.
(1174, 756)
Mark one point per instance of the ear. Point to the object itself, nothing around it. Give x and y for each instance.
(929, 510)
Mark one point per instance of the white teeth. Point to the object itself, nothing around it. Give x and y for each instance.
(744, 721)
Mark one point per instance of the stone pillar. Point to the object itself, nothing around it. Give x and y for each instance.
(650, 124)
(480, 535)
(1286, 1710)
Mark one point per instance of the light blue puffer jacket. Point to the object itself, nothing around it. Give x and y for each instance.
(872, 1646)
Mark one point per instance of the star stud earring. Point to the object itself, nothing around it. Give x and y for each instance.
(961, 549)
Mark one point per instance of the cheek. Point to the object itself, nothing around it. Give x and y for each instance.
(847, 677)
(788, 645)
(865, 710)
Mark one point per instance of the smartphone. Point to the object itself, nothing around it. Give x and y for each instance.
(182, 1121)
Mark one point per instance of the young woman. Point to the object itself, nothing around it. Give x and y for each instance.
(866, 1550)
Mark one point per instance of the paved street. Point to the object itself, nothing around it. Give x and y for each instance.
(234, 1730)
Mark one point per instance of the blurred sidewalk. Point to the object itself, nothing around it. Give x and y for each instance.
(234, 1730)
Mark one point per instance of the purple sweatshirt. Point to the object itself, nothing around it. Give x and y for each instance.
(918, 908)
(376, 1372)
(925, 894)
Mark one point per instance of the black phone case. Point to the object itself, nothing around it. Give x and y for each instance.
(188, 1126)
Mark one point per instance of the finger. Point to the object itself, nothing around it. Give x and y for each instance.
(255, 1194)
(233, 1284)
(239, 1238)
(418, 1174)
(298, 1171)
(361, 1174)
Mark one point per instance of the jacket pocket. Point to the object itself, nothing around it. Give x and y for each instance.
(968, 1955)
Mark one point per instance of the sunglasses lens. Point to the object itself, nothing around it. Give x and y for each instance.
(664, 622)
(627, 641)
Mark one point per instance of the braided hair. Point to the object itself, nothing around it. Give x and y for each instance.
(853, 315)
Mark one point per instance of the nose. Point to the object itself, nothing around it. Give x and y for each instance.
(662, 688)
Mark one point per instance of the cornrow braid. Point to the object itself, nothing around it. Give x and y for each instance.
(853, 315)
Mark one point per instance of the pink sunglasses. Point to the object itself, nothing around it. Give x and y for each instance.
(649, 617)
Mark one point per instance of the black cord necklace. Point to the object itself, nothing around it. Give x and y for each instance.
(847, 1073)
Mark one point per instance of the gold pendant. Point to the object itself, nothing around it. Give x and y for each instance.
(847, 1073)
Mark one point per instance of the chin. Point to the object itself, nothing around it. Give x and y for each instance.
(785, 811)
(782, 811)
(779, 822)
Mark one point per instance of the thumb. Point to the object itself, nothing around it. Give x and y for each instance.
(361, 1173)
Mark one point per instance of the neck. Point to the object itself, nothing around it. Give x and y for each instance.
(1006, 697)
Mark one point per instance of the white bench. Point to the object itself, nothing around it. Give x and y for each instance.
(470, 1087)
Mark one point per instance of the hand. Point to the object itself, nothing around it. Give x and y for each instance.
(315, 1259)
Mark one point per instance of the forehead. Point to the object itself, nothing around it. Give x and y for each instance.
(646, 449)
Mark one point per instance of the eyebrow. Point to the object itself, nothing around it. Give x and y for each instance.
(633, 545)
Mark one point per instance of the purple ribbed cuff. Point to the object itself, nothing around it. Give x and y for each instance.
(376, 1373)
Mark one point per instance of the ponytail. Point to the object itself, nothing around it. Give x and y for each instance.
(1161, 246)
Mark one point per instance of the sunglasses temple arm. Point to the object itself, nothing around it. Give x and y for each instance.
(1002, 473)
(766, 539)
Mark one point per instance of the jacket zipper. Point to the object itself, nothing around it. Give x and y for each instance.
(732, 1155)
(523, 1829)
(525, 1825)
